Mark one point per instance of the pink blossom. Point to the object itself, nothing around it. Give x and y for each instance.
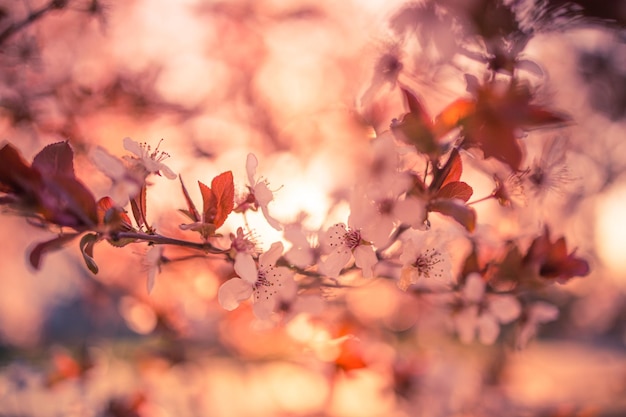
(424, 257)
(147, 158)
(260, 194)
(483, 313)
(538, 313)
(343, 244)
(266, 282)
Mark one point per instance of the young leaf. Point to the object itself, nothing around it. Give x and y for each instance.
(139, 208)
(456, 209)
(55, 159)
(456, 189)
(224, 192)
(192, 211)
(41, 248)
(219, 200)
(15, 174)
(553, 260)
(454, 169)
(87, 243)
(110, 214)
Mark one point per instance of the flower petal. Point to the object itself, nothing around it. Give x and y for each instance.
(411, 211)
(474, 288)
(270, 257)
(165, 170)
(233, 292)
(133, 147)
(251, 164)
(334, 262)
(488, 329)
(246, 268)
(264, 307)
(542, 312)
(365, 258)
(272, 221)
(505, 308)
(466, 322)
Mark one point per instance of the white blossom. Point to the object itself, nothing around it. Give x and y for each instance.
(483, 313)
(147, 158)
(343, 244)
(265, 282)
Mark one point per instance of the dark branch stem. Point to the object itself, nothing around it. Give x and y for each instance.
(164, 240)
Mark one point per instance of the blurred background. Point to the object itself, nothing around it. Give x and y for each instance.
(305, 86)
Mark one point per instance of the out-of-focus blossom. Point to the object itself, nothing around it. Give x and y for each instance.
(147, 158)
(483, 313)
(153, 261)
(552, 260)
(379, 208)
(259, 193)
(538, 313)
(424, 257)
(301, 253)
(126, 183)
(549, 174)
(343, 243)
(266, 282)
(510, 191)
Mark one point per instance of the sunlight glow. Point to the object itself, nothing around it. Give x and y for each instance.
(610, 228)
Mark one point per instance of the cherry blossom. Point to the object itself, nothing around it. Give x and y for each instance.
(126, 183)
(259, 193)
(424, 256)
(266, 282)
(148, 159)
(379, 208)
(301, 253)
(483, 313)
(242, 243)
(343, 244)
(153, 261)
(538, 313)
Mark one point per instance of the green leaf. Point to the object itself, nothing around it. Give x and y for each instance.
(87, 243)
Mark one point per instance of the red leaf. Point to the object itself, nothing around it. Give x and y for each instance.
(42, 248)
(454, 168)
(456, 189)
(456, 209)
(139, 208)
(218, 201)
(55, 159)
(492, 123)
(111, 214)
(15, 174)
(415, 128)
(191, 208)
(453, 116)
(86, 247)
(416, 108)
(553, 260)
(67, 202)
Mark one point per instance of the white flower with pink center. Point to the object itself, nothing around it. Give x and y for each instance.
(424, 257)
(343, 244)
(147, 158)
(260, 194)
(267, 283)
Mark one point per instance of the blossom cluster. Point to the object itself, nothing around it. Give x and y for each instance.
(413, 178)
